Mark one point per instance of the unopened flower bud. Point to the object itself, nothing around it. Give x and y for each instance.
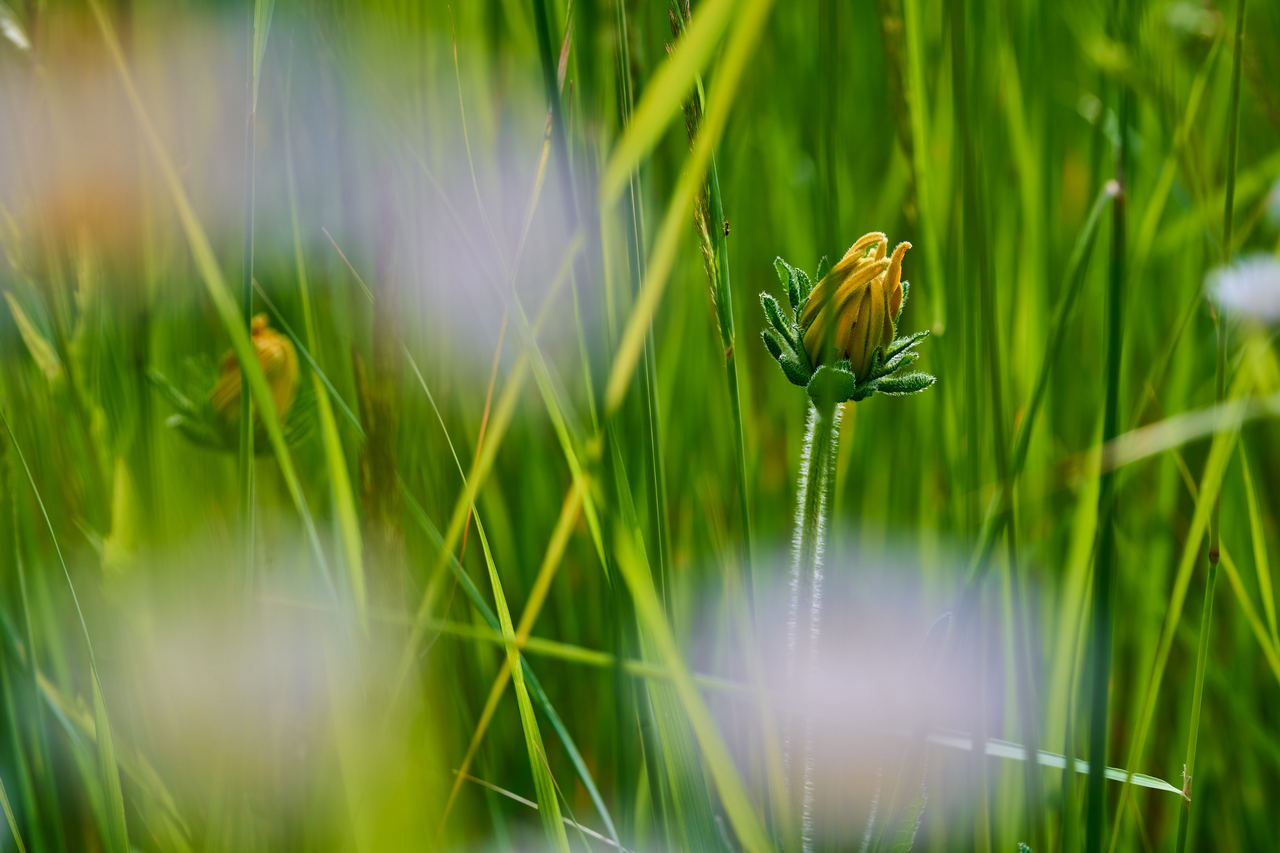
(853, 311)
(279, 362)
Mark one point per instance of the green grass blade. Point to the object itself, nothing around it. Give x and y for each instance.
(666, 92)
(116, 834)
(538, 694)
(1009, 751)
(262, 12)
(747, 28)
(743, 815)
(548, 804)
(219, 294)
(1210, 484)
(335, 460)
(10, 819)
(1261, 563)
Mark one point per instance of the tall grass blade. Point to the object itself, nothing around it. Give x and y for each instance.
(215, 285)
(115, 832)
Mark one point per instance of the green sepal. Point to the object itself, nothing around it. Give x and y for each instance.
(771, 342)
(824, 267)
(200, 433)
(794, 369)
(773, 312)
(899, 361)
(803, 287)
(900, 344)
(783, 269)
(787, 278)
(906, 293)
(830, 386)
(910, 383)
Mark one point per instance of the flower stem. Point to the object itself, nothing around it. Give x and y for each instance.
(804, 619)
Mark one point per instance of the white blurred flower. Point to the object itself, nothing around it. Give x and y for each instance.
(1273, 205)
(1249, 288)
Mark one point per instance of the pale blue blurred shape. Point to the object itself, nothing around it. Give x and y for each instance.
(1249, 288)
(1273, 205)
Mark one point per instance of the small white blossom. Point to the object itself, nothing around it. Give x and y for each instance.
(1249, 288)
(1273, 205)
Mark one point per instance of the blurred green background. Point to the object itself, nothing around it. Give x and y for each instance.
(517, 247)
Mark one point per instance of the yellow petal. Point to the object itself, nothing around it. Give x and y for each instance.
(848, 321)
(279, 362)
(887, 332)
(867, 334)
(866, 241)
(814, 342)
(819, 295)
(893, 278)
(858, 339)
(225, 397)
(846, 278)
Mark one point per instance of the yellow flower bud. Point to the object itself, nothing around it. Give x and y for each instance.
(279, 362)
(851, 313)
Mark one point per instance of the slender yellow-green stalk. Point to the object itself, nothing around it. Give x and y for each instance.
(257, 39)
(1215, 523)
(1103, 596)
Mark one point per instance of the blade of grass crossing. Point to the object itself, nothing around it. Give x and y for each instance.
(335, 459)
(116, 831)
(550, 562)
(1220, 382)
(535, 687)
(531, 804)
(1009, 751)
(10, 819)
(1261, 563)
(912, 20)
(548, 804)
(741, 812)
(481, 465)
(664, 95)
(748, 25)
(215, 285)
(1210, 484)
(551, 559)
(258, 37)
(673, 765)
(1103, 595)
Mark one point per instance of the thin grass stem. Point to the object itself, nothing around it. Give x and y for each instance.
(1215, 521)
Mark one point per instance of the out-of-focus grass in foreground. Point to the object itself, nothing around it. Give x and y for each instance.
(500, 560)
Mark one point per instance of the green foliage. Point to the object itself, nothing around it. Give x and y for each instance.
(475, 223)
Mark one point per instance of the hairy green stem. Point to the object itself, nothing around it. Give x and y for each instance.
(804, 619)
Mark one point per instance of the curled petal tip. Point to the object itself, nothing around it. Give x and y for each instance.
(865, 242)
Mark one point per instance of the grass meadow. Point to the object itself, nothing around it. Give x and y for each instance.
(520, 538)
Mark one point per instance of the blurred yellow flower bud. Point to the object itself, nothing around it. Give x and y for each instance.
(852, 312)
(279, 362)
